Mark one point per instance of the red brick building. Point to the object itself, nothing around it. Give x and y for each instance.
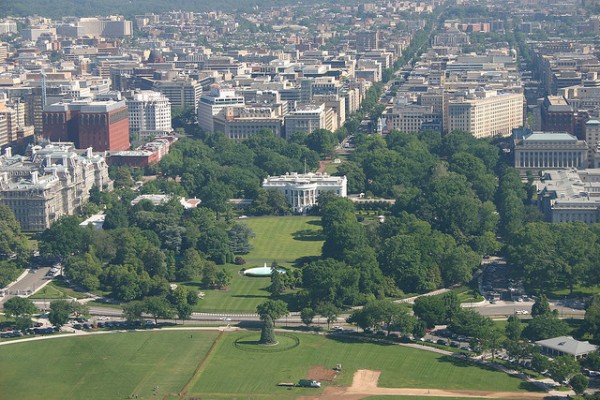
(102, 125)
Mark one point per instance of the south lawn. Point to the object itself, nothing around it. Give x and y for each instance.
(281, 239)
(108, 366)
(242, 296)
(400, 366)
(284, 239)
(164, 364)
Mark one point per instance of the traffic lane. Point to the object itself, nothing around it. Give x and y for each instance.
(32, 281)
(512, 308)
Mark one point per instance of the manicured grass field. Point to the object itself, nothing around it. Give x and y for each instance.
(118, 365)
(284, 239)
(111, 366)
(243, 295)
(400, 366)
(418, 398)
(57, 289)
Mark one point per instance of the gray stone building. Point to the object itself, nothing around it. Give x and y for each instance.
(49, 182)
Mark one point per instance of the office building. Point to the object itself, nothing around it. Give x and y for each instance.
(101, 125)
(308, 118)
(149, 114)
(215, 102)
(181, 92)
(550, 150)
(570, 195)
(486, 113)
(49, 182)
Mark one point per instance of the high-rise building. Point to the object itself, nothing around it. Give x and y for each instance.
(182, 93)
(367, 41)
(101, 125)
(8, 26)
(149, 114)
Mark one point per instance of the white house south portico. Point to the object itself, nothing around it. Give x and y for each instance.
(303, 190)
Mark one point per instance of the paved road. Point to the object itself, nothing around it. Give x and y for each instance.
(507, 308)
(30, 283)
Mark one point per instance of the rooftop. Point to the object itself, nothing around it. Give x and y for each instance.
(568, 345)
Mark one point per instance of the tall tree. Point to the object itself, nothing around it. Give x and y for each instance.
(267, 333)
(307, 315)
(274, 309)
(19, 306)
(158, 307)
(329, 311)
(540, 307)
(239, 238)
(60, 310)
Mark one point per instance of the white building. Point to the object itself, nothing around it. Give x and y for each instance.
(486, 113)
(8, 26)
(302, 190)
(149, 114)
(550, 150)
(213, 103)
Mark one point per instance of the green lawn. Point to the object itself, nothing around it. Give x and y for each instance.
(58, 289)
(243, 295)
(111, 366)
(578, 291)
(418, 398)
(400, 366)
(115, 366)
(284, 239)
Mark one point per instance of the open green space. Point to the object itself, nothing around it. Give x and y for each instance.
(243, 294)
(579, 291)
(110, 366)
(284, 239)
(418, 398)
(467, 295)
(119, 365)
(58, 289)
(400, 366)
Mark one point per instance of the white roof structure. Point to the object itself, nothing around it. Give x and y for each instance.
(567, 345)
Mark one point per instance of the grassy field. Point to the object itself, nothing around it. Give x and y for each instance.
(578, 291)
(243, 295)
(112, 366)
(284, 239)
(115, 366)
(57, 289)
(401, 367)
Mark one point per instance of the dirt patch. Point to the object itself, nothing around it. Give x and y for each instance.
(319, 373)
(364, 379)
(364, 384)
